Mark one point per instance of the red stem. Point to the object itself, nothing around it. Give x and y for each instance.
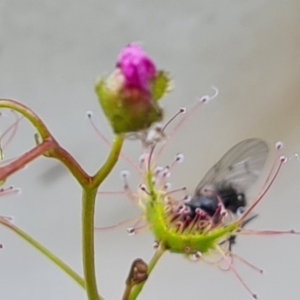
(23, 160)
(67, 159)
(48, 145)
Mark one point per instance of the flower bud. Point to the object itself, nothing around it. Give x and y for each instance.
(129, 96)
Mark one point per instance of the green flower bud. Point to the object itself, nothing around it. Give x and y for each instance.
(129, 96)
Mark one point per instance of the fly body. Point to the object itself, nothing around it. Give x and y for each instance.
(225, 184)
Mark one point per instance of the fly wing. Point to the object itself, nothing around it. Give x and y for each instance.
(239, 167)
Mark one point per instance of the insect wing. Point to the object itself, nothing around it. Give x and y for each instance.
(239, 167)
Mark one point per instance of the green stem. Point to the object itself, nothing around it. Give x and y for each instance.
(28, 114)
(44, 251)
(135, 291)
(109, 163)
(127, 291)
(90, 186)
(151, 185)
(56, 151)
(88, 211)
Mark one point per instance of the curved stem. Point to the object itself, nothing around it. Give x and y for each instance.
(109, 163)
(89, 185)
(44, 251)
(135, 291)
(71, 164)
(28, 114)
(56, 151)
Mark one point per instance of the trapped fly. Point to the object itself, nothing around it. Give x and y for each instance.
(226, 182)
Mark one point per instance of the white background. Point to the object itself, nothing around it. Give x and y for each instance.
(50, 54)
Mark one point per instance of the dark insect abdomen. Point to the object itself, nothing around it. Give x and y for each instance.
(231, 199)
(209, 204)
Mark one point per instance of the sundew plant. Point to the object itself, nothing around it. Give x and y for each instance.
(200, 227)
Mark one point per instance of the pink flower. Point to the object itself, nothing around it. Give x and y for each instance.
(129, 95)
(137, 67)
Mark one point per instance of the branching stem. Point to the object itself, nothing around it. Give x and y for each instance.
(49, 147)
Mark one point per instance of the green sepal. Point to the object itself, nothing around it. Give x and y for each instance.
(129, 110)
(160, 85)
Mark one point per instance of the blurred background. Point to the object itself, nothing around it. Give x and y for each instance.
(50, 55)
